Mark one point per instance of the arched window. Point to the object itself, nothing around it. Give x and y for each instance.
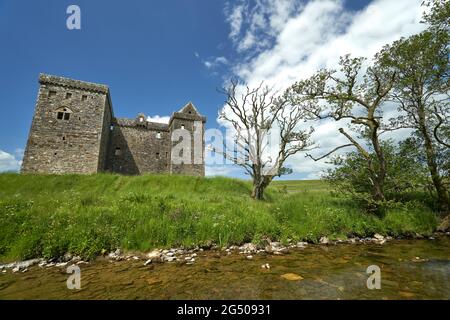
(63, 113)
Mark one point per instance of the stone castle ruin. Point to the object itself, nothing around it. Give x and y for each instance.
(74, 131)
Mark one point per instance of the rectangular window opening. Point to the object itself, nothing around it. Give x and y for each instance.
(68, 95)
(66, 116)
(60, 115)
(83, 97)
(51, 93)
(118, 152)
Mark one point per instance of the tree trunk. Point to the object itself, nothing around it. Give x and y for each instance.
(259, 185)
(442, 195)
(380, 174)
(377, 192)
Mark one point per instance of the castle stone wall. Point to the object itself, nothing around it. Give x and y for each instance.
(138, 149)
(66, 145)
(74, 131)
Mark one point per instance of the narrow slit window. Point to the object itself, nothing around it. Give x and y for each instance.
(157, 155)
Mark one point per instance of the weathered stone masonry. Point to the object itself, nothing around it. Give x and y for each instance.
(74, 131)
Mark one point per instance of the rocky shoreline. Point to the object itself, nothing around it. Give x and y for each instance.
(189, 256)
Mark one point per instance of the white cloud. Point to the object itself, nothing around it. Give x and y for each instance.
(9, 162)
(292, 40)
(215, 62)
(159, 119)
(235, 18)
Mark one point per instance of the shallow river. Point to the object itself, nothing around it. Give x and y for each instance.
(416, 269)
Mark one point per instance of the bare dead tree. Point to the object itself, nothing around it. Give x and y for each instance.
(330, 95)
(255, 114)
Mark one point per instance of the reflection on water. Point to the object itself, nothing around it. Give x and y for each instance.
(416, 269)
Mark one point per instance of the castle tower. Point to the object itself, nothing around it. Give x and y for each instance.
(70, 128)
(187, 128)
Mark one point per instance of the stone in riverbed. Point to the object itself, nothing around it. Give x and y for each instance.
(148, 262)
(169, 259)
(378, 237)
(324, 240)
(302, 244)
(248, 247)
(249, 257)
(292, 277)
(155, 256)
(62, 264)
(67, 257)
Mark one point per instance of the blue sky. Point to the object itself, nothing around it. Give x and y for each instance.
(157, 55)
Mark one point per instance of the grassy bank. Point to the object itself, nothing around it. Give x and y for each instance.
(87, 215)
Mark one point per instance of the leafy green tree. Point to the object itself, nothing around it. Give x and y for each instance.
(406, 173)
(342, 96)
(422, 89)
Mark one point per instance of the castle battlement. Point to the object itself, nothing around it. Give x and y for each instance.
(74, 130)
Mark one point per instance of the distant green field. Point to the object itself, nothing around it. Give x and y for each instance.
(50, 215)
(293, 186)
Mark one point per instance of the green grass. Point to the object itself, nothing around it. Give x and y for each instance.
(49, 215)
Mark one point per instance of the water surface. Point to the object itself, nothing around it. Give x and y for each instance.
(410, 269)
